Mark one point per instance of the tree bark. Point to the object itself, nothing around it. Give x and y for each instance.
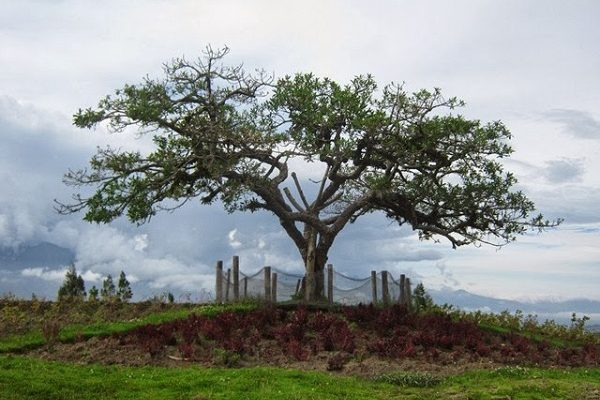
(315, 259)
(310, 293)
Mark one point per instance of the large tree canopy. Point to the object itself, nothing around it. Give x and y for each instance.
(223, 134)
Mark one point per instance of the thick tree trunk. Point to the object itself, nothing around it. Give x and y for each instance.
(320, 294)
(310, 293)
(315, 282)
(313, 248)
(315, 260)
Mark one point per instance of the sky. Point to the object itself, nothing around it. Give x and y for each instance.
(531, 64)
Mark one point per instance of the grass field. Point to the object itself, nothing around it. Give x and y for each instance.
(27, 377)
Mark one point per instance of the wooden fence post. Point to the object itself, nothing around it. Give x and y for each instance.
(330, 283)
(245, 287)
(408, 294)
(402, 297)
(219, 282)
(374, 287)
(267, 284)
(274, 288)
(385, 290)
(236, 278)
(227, 284)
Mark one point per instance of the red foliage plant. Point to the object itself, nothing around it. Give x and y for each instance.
(391, 333)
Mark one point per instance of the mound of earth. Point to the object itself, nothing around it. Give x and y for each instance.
(362, 340)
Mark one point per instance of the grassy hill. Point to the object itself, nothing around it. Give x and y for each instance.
(155, 350)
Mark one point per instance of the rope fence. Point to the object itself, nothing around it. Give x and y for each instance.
(273, 285)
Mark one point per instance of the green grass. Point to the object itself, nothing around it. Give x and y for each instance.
(30, 340)
(28, 378)
(24, 377)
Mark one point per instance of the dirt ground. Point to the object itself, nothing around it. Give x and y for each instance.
(110, 350)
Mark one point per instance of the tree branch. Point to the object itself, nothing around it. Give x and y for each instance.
(300, 192)
(292, 200)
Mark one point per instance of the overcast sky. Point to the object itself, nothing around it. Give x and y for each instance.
(532, 64)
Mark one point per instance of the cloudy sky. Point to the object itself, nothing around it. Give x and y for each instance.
(532, 64)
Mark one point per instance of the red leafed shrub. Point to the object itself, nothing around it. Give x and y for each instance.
(590, 352)
(294, 328)
(390, 318)
(189, 329)
(409, 349)
(569, 357)
(337, 362)
(295, 349)
(433, 354)
(482, 350)
(186, 350)
(445, 341)
(507, 352)
(235, 343)
(152, 345)
(361, 314)
(332, 333)
(321, 321)
(543, 346)
(389, 347)
(389, 333)
(520, 344)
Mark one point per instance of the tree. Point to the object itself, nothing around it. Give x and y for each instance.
(108, 291)
(73, 287)
(124, 292)
(223, 134)
(93, 294)
(422, 300)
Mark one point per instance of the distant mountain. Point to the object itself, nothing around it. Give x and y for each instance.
(465, 300)
(594, 328)
(42, 254)
(558, 310)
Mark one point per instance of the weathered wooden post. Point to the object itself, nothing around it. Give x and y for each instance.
(298, 284)
(245, 287)
(385, 290)
(330, 283)
(402, 296)
(236, 278)
(219, 282)
(267, 284)
(408, 294)
(227, 284)
(274, 288)
(374, 287)
(303, 286)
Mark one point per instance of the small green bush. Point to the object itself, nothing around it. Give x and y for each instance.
(409, 379)
(226, 358)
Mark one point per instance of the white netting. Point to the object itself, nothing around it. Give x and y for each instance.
(346, 289)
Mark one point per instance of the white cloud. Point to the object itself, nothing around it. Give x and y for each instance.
(233, 242)
(510, 61)
(91, 276)
(261, 243)
(189, 282)
(141, 242)
(52, 275)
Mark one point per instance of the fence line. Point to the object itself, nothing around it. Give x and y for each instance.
(273, 285)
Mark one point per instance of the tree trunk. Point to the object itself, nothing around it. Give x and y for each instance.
(315, 261)
(310, 292)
